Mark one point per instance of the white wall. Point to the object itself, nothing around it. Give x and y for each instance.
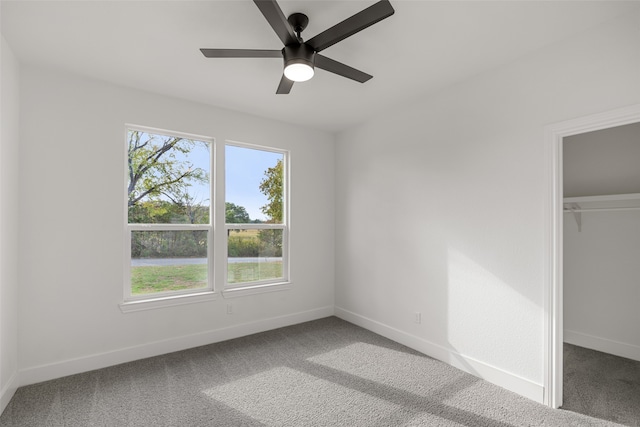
(9, 117)
(601, 282)
(71, 225)
(441, 205)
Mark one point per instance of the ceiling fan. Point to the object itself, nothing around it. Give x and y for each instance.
(300, 57)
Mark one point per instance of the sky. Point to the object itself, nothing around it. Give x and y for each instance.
(244, 170)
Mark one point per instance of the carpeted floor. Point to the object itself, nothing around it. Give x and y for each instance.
(601, 385)
(322, 373)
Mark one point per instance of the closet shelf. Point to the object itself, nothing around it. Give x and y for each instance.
(598, 203)
(608, 203)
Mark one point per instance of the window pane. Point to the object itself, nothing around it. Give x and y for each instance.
(254, 255)
(163, 261)
(254, 186)
(168, 179)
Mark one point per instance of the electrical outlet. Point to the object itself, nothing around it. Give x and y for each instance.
(417, 317)
(229, 308)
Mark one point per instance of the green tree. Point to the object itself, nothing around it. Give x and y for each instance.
(155, 167)
(160, 176)
(235, 214)
(271, 186)
(188, 211)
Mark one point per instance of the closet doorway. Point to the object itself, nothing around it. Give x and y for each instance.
(601, 271)
(575, 220)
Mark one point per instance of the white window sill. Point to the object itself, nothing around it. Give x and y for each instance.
(256, 289)
(167, 301)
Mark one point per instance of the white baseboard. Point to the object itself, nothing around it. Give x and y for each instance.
(495, 375)
(97, 361)
(8, 391)
(604, 345)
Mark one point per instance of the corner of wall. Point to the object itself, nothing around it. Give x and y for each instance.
(9, 116)
(8, 391)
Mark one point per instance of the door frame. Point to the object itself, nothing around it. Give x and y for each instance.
(553, 298)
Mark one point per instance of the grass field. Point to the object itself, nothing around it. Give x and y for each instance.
(147, 280)
(244, 234)
(252, 271)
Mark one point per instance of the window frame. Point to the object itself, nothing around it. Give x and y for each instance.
(284, 282)
(160, 299)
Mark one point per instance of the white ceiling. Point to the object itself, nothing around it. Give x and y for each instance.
(425, 46)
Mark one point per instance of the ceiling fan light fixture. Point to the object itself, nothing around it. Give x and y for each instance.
(298, 71)
(298, 62)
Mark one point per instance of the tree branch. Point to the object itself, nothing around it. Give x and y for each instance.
(157, 188)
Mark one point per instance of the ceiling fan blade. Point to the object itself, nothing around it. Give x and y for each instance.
(341, 69)
(358, 22)
(241, 53)
(277, 20)
(285, 86)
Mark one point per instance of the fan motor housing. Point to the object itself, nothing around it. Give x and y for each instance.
(299, 54)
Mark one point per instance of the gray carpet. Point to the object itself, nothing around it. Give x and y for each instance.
(601, 385)
(322, 373)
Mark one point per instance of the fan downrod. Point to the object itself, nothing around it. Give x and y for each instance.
(299, 22)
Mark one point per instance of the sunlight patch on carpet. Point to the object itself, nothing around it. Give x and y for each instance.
(285, 396)
(420, 375)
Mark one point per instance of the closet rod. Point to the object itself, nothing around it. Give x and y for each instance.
(603, 209)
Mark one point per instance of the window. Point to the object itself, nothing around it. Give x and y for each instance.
(169, 232)
(255, 216)
(169, 221)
